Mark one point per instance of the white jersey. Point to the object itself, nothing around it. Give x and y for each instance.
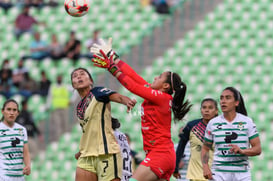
(185, 159)
(223, 133)
(12, 142)
(125, 151)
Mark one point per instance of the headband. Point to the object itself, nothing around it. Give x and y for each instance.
(172, 82)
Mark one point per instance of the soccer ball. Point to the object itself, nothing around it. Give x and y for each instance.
(76, 8)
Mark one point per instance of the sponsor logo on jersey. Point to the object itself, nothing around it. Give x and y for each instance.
(146, 160)
(156, 92)
(3, 132)
(219, 126)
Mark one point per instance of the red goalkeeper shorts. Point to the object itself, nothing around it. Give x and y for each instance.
(162, 163)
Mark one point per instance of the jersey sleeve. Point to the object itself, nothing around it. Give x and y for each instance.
(184, 138)
(252, 131)
(102, 94)
(208, 133)
(144, 91)
(126, 69)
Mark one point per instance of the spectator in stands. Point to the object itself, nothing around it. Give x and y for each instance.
(91, 41)
(174, 2)
(161, 6)
(6, 5)
(72, 48)
(5, 67)
(24, 23)
(6, 86)
(56, 49)
(35, 3)
(58, 102)
(38, 48)
(28, 86)
(44, 84)
(144, 3)
(52, 3)
(18, 73)
(25, 119)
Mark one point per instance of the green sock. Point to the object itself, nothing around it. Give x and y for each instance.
(132, 179)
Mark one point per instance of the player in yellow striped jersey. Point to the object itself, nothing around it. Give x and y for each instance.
(99, 156)
(194, 133)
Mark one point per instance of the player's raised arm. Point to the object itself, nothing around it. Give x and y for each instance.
(105, 57)
(156, 112)
(130, 103)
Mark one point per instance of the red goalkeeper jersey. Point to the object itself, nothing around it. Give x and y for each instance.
(155, 110)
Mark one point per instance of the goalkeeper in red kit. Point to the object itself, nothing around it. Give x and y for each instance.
(156, 111)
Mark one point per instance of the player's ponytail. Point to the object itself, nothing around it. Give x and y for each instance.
(238, 97)
(179, 107)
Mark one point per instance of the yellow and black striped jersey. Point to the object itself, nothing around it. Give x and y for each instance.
(94, 114)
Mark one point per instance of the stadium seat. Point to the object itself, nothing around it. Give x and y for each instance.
(231, 46)
(2, 99)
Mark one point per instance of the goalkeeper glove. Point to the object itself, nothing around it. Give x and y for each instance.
(106, 62)
(105, 47)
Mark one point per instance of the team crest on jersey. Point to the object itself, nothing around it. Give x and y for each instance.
(83, 123)
(152, 142)
(240, 126)
(21, 131)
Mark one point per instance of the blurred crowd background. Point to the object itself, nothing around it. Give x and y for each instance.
(211, 44)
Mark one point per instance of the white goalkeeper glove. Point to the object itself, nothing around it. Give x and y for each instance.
(105, 47)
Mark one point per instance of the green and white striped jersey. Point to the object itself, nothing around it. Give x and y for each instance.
(223, 133)
(12, 142)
